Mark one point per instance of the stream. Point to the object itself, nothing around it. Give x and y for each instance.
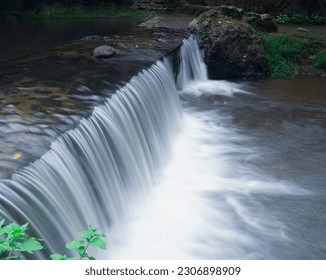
(170, 168)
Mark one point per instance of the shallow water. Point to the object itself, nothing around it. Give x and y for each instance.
(20, 35)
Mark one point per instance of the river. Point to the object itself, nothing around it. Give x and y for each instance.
(186, 169)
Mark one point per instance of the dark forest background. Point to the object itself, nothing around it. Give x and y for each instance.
(306, 7)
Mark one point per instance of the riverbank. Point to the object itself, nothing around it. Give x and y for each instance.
(291, 52)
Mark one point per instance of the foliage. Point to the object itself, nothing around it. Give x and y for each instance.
(297, 18)
(283, 54)
(320, 60)
(89, 238)
(13, 240)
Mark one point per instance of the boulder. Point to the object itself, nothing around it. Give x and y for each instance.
(104, 52)
(232, 48)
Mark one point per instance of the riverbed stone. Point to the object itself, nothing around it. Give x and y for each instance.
(232, 48)
(104, 52)
(92, 38)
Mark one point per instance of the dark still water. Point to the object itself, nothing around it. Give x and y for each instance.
(19, 35)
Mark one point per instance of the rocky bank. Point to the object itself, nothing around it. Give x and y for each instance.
(231, 41)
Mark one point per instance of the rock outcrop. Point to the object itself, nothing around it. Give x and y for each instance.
(233, 48)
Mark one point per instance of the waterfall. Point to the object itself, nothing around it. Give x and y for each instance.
(192, 66)
(92, 172)
(161, 182)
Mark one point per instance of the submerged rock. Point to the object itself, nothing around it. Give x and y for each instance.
(232, 47)
(104, 52)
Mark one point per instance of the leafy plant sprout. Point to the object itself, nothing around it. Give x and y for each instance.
(89, 238)
(14, 241)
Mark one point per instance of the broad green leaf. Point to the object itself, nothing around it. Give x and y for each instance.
(31, 244)
(75, 244)
(99, 243)
(14, 229)
(85, 234)
(81, 250)
(2, 222)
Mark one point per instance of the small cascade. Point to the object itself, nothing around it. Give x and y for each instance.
(192, 65)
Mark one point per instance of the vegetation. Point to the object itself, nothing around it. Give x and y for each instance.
(283, 53)
(320, 60)
(89, 238)
(296, 18)
(286, 53)
(14, 241)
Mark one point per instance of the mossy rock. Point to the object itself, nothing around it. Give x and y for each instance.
(232, 48)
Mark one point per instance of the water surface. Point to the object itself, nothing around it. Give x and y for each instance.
(20, 35)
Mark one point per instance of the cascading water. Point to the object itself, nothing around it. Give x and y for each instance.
(192, 66)
(207, 203)
(158, 194)
(91, 172)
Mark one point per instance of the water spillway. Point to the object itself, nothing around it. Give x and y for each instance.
(166, 169)
(91, 171)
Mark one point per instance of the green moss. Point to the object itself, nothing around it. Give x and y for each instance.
(283, 54)
(205, 33)
(286, 53)
(320, 60)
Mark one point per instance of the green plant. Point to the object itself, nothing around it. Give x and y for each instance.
(283, 54)
(320, 60)
(89, 238)
(14, 240)
(300, 19)
(286, 53)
